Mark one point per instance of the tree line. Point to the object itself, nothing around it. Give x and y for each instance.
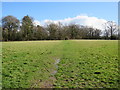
(14, 30)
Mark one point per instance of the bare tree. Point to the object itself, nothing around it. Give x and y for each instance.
(111, 28)
(106, 31)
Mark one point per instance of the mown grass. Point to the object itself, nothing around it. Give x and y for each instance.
(83, 63)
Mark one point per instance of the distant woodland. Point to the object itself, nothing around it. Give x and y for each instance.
(15, 30)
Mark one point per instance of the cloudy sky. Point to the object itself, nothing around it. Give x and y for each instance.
(93, 14)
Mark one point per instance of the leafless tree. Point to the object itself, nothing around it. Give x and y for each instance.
(110, 29)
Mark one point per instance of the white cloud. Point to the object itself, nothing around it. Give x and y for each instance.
(36, 22)
(81, 20)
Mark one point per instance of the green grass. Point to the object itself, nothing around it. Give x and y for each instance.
(83, 64)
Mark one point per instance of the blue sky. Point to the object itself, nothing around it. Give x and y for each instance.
(93, 14)
(60, 10)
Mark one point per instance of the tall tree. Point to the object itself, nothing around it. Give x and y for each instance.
(27, 28)
(65, 33)
(11, 24)
(40, 33)
(53, 30)
(111, 27)
(73, 30)
(1, 33)
(97, 34)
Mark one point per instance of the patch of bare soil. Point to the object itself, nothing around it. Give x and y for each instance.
(50, 81)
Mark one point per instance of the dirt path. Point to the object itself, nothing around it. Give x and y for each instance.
(50, 81)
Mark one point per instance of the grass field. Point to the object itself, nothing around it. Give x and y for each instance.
(60, 64)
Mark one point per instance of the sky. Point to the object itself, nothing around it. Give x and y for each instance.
(60, 0)
(86, 13)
